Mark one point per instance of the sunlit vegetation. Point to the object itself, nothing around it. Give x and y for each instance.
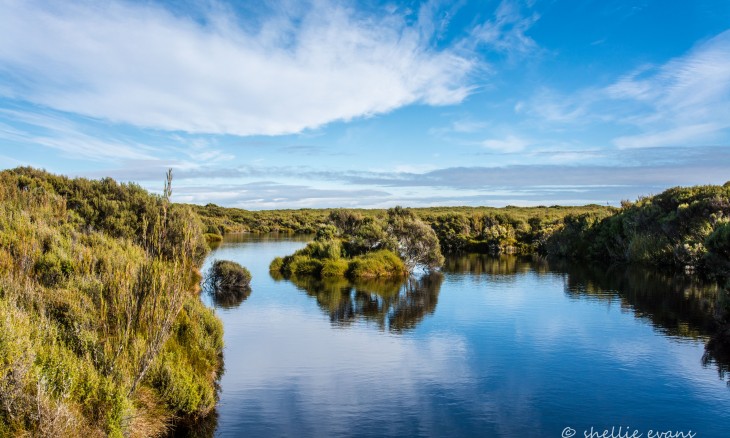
(101, 329)
(683, 227)
(356, 246)
(458, 229)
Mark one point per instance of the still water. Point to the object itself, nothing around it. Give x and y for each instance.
(504, 346)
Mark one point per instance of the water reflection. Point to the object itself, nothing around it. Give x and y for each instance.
(504, 265)
(677, 305)
(506, 346)
(394, 305)
(229, 298)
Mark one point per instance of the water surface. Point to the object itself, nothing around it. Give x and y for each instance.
(491, 347)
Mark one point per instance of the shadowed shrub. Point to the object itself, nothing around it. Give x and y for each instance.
(225, 274)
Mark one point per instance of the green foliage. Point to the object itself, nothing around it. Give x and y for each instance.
(334, 268)
(719, 241)
(179, 377)
(301, 265)
(685, 227)
(225, 274)
(470, 229)
(96, 289)
(377, 264)
(417, 243)
(211, 238)
(276, 265)
(359, 247)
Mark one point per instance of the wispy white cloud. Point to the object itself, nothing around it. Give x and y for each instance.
(509, 144)
(506, 32)
(686, 99)
(681, 102)
(62, 134)
(688, 134)
(140, 64)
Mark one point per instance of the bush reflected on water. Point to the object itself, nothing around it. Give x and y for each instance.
(676, 304)
(392, 304)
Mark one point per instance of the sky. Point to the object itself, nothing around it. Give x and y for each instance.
(371, 104)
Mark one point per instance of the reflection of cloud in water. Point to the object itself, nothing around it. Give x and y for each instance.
(322, 376)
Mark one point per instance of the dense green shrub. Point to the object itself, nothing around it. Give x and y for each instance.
(684, 227)
(334, 268)
(225, 274)
(373, 249)
(96, 290)
(377, 264)
(276, 265)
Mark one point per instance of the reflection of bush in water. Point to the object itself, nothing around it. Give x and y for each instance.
(484, 264)
(393, 304)
(717, 351)
(230, 298)
(204, 427)
(677, 305)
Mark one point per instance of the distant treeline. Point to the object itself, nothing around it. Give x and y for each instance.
(684, 227)
(102, 332)
(459, 229)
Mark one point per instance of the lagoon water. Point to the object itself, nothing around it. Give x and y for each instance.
(508, 346)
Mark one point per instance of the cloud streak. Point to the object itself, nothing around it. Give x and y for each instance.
(140, 64)
(686, 98)
(252, 187)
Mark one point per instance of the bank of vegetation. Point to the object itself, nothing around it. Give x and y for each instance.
(355, 246)
(510, 229)
(102, 332)
(684, 227)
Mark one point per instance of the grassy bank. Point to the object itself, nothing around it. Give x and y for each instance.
(101, 329)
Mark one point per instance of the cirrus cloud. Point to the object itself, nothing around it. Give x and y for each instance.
(141, 64)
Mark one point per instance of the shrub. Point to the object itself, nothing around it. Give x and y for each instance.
(211, 238)
(304, 265)
(334, 268)
(719, 241)
(276, 265)
(378, 264)
(95, 297)
(225, 274)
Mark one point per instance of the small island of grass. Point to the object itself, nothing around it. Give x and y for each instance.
(362, 247)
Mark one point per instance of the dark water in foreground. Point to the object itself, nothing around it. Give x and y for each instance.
(492, 347)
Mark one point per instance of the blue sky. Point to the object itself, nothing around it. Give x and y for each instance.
(293, 104)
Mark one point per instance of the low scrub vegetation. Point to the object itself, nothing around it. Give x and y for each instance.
(458, 229)
(101, 331)
(683, 227)
(225, 274)
(354, 246)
